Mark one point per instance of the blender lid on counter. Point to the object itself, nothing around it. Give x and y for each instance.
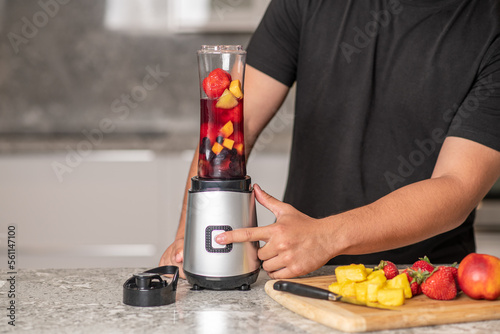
(150, 289)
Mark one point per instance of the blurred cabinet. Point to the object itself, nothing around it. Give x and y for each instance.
(105, 212)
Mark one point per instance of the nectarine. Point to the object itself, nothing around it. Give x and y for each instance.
(479, 276)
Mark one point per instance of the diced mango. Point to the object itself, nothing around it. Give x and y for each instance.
(235, 88)
(227, 100)
(391, 296)
(377, 279)
(216, 148)
(228, 143)
(361, 291)
(376, 273)
(348, 289)
(227, 129)
(335, 287)
(372, 291)
(353, 272)
(401, 281)
(239, 148)
(370, 285)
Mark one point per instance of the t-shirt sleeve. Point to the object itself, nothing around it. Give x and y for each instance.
(274, 46)
(478, 117)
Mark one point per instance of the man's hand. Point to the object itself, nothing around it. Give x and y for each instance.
(174, 255)
(295, 243)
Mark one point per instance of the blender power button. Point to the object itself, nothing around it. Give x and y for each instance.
(211, 245)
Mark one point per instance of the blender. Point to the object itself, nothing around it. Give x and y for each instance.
(221, 197)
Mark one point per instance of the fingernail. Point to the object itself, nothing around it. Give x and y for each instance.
(220, 239)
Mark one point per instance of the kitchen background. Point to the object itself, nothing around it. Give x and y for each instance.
(99, 109)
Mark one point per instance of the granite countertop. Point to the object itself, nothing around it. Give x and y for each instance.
(90, 301)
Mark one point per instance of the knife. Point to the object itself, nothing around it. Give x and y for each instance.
(318, 293)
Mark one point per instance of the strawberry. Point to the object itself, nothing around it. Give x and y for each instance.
(415, 277)
(389, 268)
(440, 285)
(424, 264)
(216, 83)
(208, 130)
(453, 269)
(235, 114)
(416, 289)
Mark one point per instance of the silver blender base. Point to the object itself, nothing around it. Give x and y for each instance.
(216, 206)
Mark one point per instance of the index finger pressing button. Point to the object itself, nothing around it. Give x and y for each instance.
(211, 245)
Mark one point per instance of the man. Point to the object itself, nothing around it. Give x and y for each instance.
(396, 135)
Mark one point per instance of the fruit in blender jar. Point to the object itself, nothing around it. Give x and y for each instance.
(239, 148)
(235, 88)
(216, 83)
(479, 276)
(227, 100)
(236, 114)
(222, 154)
(228, 143)
(217, 148)
(227, 129)
(206, 149)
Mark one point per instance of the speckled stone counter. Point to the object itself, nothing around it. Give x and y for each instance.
(90, 301)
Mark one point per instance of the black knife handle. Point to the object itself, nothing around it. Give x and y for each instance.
(302, 290)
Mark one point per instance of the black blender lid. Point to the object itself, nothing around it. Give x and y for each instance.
(150, 289)
(200, 184)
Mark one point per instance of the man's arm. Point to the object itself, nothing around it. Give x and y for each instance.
(298, 244)
(263, 97)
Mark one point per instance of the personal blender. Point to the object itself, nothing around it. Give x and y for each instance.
(221, 197)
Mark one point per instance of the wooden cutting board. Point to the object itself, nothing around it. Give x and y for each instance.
(417, 311)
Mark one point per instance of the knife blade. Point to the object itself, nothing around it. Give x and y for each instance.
(304, 290)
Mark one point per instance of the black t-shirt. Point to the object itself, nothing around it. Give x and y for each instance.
(379, 85)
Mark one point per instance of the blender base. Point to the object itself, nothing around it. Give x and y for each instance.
(240, 282)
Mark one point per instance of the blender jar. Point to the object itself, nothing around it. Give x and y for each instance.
(221, 146)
